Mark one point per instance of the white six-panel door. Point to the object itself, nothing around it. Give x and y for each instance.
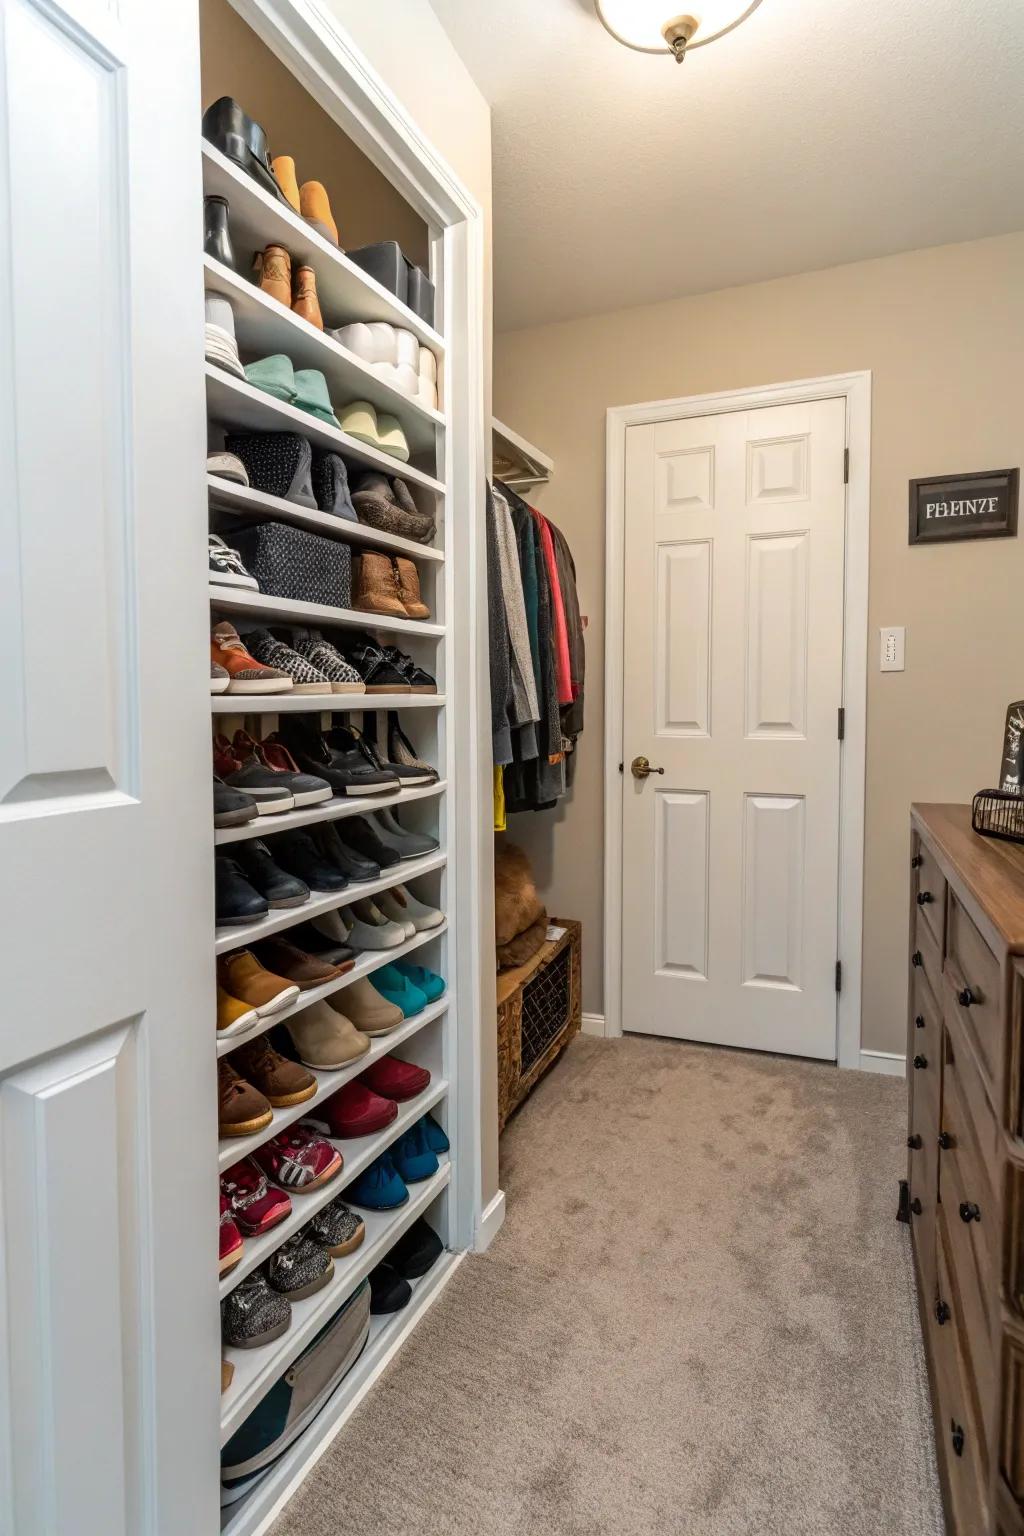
(108, 1224)
(732, 680)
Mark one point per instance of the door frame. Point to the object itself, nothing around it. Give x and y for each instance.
(855, 389)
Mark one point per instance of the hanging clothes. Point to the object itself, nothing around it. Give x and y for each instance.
(525, 708)
(497, 644)
(559, 633)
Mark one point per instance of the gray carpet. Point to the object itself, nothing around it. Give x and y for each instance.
(697, 1319)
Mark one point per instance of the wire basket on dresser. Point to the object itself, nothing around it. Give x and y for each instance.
(539, 1011)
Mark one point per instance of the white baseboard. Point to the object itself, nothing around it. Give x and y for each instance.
(593, 1024)
(889, 1063)
(490, 1222)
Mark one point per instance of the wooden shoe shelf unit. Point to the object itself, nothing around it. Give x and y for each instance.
(446, 474)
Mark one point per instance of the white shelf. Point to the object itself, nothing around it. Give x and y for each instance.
(235, 403)
(256, 1370)
(263, 326)
(518, 462)
(367, 962)
(330, 810)
(321, 703)
(325, 901)
(358, 1152)
(256, 219)
(243, 501)
(387, 1334)
(285, 610)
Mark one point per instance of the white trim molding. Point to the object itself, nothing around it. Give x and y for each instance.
(594, 1024)
(889, 1063)
(855, 389)
(491, 1220)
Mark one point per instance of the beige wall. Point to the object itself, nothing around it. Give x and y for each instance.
(942, 331)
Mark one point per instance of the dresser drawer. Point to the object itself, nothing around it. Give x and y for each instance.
(928, 889)
(925, 954)
(973, 975)
(963, 1453)
(1011, 1441)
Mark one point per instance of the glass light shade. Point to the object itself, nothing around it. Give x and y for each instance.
(639, 23)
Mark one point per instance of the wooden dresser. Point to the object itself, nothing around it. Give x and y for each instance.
(965, 1159)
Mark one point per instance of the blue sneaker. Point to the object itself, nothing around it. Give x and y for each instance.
(379, 1187)
(427, 981)
(413, 1157)
(398, 989)
(437, 1141)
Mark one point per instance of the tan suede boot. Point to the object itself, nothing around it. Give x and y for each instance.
(284, 173)
(305, 302)
(375, 586)
(409, 588)
(315, 206)
(326, 1038)
(273, 268)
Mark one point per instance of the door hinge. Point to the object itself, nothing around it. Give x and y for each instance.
(846, 466)
(839, 975)
(841, 723)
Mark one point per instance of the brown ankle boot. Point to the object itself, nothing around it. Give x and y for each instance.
(375, 586)
(273, 268)
(409, 588)
(305, 302)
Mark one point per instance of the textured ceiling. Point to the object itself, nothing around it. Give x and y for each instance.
(820, 132)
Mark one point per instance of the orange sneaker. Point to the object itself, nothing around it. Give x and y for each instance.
(245, 673)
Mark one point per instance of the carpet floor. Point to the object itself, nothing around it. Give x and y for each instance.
(697, 1319)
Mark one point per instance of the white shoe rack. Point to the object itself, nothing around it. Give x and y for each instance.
(444, 473)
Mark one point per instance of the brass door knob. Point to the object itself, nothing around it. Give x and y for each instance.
(640, 768)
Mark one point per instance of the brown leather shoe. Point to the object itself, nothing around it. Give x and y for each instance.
(304, 970)
(409, 588)
(375, 586)
(241, 1109)
(305, 302)
(283, 1082)
(242, 976)
(273, 269)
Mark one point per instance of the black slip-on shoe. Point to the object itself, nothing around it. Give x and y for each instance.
(231, 807)
(242, 140)
(355, 865)
(357, 833)
(237, 901)
(279, 887)
(297, 853)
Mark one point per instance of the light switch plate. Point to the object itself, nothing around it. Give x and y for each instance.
(890, 656)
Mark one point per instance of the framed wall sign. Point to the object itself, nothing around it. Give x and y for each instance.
(977, 506)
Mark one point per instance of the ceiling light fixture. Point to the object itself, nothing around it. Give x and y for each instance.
(644, 25)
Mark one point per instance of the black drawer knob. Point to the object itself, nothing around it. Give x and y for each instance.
(916, 958)
(920, 1062)
(965, 997)
(914, 1142)
(916, 1206)
(924, 897)
(920, 1021)
(946, 1141)
(916, 861)
(969, 1211)
(956, 1435)
(943, 1313)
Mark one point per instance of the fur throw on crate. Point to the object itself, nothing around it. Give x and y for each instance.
(520, 919)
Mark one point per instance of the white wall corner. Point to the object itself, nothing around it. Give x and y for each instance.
(491, 1218)
(593, 1024)
(889, 1063)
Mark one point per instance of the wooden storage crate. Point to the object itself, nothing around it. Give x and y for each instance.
(539, 1011)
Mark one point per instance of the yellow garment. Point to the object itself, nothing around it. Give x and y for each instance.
(499, 800)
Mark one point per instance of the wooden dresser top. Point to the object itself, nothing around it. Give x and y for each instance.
(993, 872)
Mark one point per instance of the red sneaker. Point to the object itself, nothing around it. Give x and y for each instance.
(231, 1244)
(255, 1206)
(395, 1079)
(298, 1160)
(356, 1110)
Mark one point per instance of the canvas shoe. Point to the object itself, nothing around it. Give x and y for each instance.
(354, 1110)
(231, 1243)
(403, 908)
(324, 1038)
(321, 654)
(253, 1314)
(274, 653)
(298, 1160)
(236, 902)
(226, 567)
(233, 1016)
(409, 845)
(282, 1082)
(416, 1251)
(371, 929)
(279, 887)
(247, 675)
(255, 1206)
(252, 777)
(340, 1230)
(228, 466)
(231, 807)
(242, 975)
(370, 1011)
(395, 1079)
(389, 1291)
(242, 1110)
(412, 1157)
(379, 1187)
(219, 678)
(300, 1267)
(306, 788)
(398, 989)
(286, 959)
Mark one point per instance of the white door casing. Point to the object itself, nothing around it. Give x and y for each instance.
(107, 1104)
(732, 680)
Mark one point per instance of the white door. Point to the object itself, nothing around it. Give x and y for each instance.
(109, 1351)
(734, 543)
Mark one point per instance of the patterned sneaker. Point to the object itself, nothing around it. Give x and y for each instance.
(298, 1160)
(274, 653)
(321, 653)
(226, 568)
(300, 1267)
(370, 662)
(253, 1314)
(231, 1244)
(340, 1230)
(246, 673)
(255, 1206)
(219, 678)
